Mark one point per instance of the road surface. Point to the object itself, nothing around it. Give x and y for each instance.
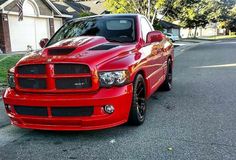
(196, 120)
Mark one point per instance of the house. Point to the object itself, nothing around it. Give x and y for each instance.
(210, 30)
(170, 28)
(40, 20)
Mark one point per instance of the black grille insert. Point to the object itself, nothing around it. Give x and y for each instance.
(73, 83)
(104, 47)
(32, 69)
(32, 111)
(60, 51)
(32, 83)
(71, 69)
(72, 111)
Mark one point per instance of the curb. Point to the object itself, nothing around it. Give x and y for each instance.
(1, 92)
(179, 50)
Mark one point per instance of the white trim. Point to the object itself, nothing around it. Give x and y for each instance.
(16, 13)
(57, 11)
(34, 5)
(64, 16)
(50, 3)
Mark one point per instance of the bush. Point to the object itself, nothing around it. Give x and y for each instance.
(157, 26)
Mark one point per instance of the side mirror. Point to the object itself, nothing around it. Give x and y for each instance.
(43, 42)
(155, 36)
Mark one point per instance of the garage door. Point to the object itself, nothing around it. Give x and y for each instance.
(27, 32)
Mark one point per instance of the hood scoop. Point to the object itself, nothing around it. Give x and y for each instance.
(60, 51)
(103, 47)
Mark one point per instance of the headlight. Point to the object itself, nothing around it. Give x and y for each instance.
(11, 80)
(114, 78)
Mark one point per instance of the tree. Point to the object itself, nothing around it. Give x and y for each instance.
(149, 8)
(228, 13)
(230, 22)
(194, 13)
(190, 13)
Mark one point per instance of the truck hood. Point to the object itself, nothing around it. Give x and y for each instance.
(85, 49)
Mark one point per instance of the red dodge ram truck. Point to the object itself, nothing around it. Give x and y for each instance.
(95, 72)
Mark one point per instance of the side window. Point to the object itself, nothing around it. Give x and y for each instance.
(145, 26)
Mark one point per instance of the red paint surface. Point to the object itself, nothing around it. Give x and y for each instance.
(139, 57)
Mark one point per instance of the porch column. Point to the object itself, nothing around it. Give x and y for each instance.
(51, 26)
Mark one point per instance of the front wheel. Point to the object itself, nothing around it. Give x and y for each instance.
(138, 107)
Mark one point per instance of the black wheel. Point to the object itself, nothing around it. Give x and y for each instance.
(167, 84)
(138, 107)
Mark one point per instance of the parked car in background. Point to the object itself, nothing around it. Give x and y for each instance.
(95, 72)
(172, 37)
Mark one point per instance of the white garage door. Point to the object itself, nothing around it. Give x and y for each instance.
(27, 32)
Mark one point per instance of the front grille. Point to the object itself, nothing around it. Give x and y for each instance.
(72, 111)
(55, 111)
(73, 83)
(31, 111)
(32, 83)
(53, 77)
(71, 69)
(32, 69)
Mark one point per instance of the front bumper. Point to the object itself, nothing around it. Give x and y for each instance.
(119, 97)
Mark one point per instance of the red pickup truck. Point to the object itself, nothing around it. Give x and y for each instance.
(95, 72)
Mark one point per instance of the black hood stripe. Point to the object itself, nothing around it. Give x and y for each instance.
(103, 47)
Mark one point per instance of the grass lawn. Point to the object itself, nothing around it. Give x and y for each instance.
(6, 62)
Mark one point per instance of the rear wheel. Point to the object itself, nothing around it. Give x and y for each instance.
(167, 84)
(138, 107)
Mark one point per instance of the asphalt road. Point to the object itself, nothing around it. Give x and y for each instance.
(196, 120)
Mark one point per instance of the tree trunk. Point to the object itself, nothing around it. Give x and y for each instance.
(149, 9)
(195, 32)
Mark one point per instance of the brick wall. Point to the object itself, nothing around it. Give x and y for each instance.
(5, 43)
(51, 26)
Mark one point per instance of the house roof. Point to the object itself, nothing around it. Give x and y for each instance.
(95, 6)
(64, 8)
(74, 8)
(168, 25)
(2, 1)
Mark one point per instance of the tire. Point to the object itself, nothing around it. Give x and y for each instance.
(167, 84)
(138, 108)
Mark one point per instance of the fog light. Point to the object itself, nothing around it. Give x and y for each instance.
(8, 108)
(109, 109)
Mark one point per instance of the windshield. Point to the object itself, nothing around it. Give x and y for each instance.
(120, 30)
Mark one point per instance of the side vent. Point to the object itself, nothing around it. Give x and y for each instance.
(60, 51)
(103, 47)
